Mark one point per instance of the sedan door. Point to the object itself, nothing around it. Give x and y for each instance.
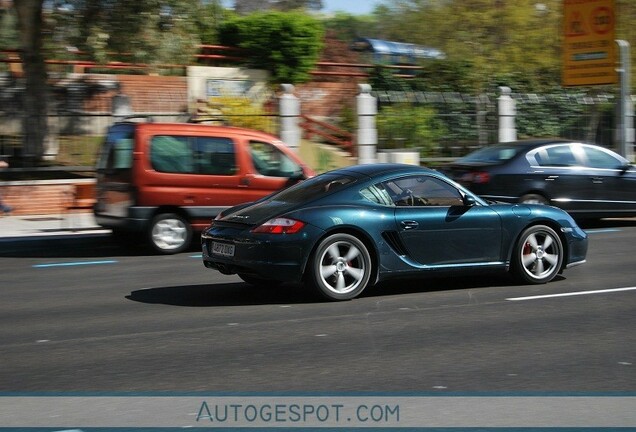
(560, 172)
(613, 179)
(438, 229)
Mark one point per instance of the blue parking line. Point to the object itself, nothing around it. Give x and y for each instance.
(197, 256)
(71, 264)
(602, 230)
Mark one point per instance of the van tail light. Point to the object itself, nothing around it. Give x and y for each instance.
(476, 177)
(279, 226)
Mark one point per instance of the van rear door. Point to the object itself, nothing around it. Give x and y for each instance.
(115, 192)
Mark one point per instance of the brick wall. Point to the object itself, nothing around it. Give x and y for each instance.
(39, 198)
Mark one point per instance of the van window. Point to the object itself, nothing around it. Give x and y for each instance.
(193, 155)
(270, 161)
(171, 154)
(215, 155)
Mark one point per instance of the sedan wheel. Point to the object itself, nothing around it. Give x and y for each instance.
(170, 233)
(538, 255)
(340, 268)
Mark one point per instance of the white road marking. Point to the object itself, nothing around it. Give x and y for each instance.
(577, 293)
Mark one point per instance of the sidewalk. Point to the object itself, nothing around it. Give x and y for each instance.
(37, 226)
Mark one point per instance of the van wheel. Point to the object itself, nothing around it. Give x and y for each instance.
(170, 233)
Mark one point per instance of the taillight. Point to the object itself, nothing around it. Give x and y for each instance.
(476, 177)
(280, 226)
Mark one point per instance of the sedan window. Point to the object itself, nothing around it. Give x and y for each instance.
(560, 155)
(599, 159)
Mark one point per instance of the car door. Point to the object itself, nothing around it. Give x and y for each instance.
(558, 170)
(613, 180)
(438, 229)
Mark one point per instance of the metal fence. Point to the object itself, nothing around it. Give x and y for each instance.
(440, 125)
(450, 125)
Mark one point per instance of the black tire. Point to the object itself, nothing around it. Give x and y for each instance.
(534, 199)
(169, 233)
(256, 281)
(340, 268)
(538, 255)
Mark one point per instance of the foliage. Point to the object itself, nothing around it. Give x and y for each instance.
(287, 44)
(9, 29)
(410, 126)
(208, 18)
(239, 111)
(250, 6)
(153, 32)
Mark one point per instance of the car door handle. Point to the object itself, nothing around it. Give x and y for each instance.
(552, 178)
(409, 224)
(597, 180)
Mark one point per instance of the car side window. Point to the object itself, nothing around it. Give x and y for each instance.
(561, 156)
(423, 191)
(599, 159)
(215, 155)
(377, 194)
(270, 161)
(171, 154)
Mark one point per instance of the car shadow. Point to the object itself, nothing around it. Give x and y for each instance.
(244, 294)
(224, 294)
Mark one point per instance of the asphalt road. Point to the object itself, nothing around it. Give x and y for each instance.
(89, 316)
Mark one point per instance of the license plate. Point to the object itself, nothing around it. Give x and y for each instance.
(223, 249)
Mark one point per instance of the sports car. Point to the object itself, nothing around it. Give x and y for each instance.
(347, 229)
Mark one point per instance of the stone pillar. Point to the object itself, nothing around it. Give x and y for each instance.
(507, 113)
(289, 114)
(367, 136)
(121, 106)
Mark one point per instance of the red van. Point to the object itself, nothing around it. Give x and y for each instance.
(168, 180)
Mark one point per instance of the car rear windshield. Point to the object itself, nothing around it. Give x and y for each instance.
(494, 154)
(313, 188)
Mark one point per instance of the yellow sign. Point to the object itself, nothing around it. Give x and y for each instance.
(589, 48)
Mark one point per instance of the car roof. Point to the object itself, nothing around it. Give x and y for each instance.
(528, 144)
(199, 127)
(377, 169)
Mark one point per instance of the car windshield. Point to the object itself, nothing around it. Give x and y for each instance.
(312, 188)
(493, 154)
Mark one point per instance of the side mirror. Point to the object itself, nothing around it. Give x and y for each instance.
(469, 200)
(625, 168)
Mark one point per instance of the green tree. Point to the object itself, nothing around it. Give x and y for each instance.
(287, 44)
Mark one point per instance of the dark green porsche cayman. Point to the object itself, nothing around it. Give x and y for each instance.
(347, 229)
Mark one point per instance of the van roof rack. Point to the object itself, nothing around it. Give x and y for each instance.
(128, 118)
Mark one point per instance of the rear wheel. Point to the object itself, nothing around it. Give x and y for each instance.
(340, 268)
(538, 255)
(170, 233)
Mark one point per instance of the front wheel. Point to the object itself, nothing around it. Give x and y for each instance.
(340, 268)
(170, 233)
(538, 255)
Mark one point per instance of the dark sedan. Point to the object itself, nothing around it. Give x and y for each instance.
(349, 228)
(586, 180)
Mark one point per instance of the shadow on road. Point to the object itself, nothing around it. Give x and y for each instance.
(243, 294)
(228, 294)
